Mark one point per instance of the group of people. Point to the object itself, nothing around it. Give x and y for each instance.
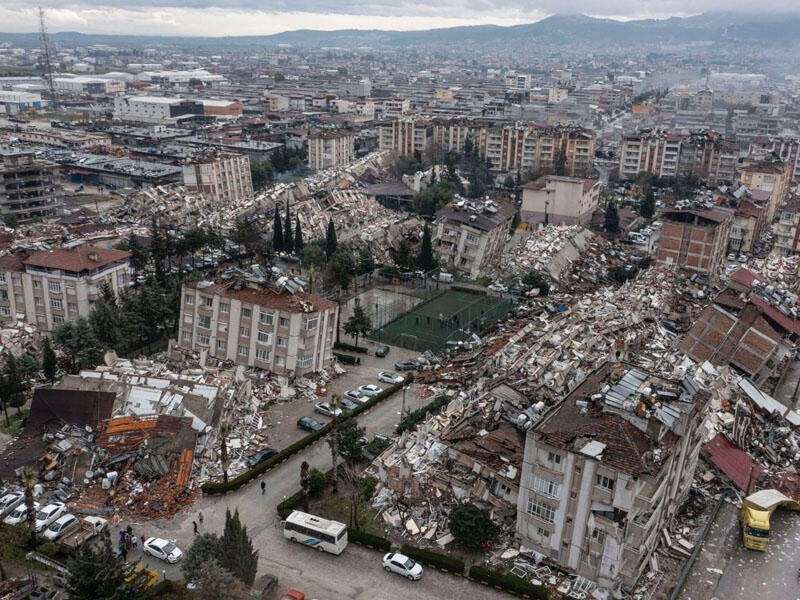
(128, 541)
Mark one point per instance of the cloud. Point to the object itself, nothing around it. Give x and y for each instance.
(248, 17)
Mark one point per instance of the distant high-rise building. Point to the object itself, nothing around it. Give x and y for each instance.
(330, 149)
(29, 187)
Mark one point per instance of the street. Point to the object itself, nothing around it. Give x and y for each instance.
(356, 574)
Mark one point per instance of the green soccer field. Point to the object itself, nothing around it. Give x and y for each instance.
(447, 317)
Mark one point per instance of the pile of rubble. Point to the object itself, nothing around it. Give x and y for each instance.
(19, 338)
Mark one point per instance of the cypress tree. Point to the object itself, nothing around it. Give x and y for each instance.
(237, 554)
(48, 360)
(288, 243)
(425, 260)
(277, 232)
(330, 240)
(298, 237)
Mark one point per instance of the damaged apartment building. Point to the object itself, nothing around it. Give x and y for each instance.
(606, 470)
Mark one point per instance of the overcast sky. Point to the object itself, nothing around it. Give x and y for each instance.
(254, 17)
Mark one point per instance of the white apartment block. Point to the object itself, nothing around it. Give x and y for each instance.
(405, 136)
(330, 149)
(257, 326)
(223, 178)
(607, 469)
(559, 200)
(650, 151)
(49, 288)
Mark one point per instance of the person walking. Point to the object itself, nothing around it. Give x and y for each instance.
(263, 487)
(135, 542)
(194, 524)
(142, 541)
(200, 517)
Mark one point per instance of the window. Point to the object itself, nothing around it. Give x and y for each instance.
(19, 298)
(204, 321)
(283, 322)
(546, 487)
(244, 331)
(281, 342)
(242, 350)
(472, 239)
(280, 361)
(72, 307)
(594, 560)
(224, 307)
(208, 301)
(70, 290)
(187, 336)
(265, 318)
(605, 482)
(554, 458)
(3, 295)
(304, 361)
(246, 313)
(4, 310)
(311, 323)
(58, 320)
(599, 536)
(189, 300)
(2, 277)
(540, 510)
(262, 354)
(120, 280)
(16, 280)
(542, 532)
(264, 337)
(37, 284)
(202, 338)
(221, 345)
(38, 301)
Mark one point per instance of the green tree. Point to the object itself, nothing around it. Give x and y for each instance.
(158, 250)
(305, 483)
(12, 386)
(508, 183)
(277, 232)
(313, 256)
(78, 345)
(434, 197)
(516, 220)
(215, 582)
(366, 262)
(359, 322)
(298, 237)
(204, 547)
(349, 436)
(28, 366)
(339, 271)
(11, 220)
(425, 259)
(236, 550)
(49, 364)
(97, 573)
(647, 207)
(139, 254)
(317, 480)
(611, 218)
(560, 162)
(261, 174)
(330, 240)
(105, 319)
(534, 279)
(471, 526)
(247, 235)
(288, 241)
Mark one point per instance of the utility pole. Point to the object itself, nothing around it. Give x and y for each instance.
(46, 55)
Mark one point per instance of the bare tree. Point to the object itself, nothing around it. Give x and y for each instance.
(29, 479)
(224, 432)
(333, 441)
(305, 483)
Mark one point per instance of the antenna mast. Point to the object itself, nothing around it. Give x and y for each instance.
(48, 65)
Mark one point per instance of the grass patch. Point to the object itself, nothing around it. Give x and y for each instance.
(337, 508)
(15, 424)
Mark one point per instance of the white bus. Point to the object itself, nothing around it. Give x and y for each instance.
(322, 534)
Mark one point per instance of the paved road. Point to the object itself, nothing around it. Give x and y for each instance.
(356, 574)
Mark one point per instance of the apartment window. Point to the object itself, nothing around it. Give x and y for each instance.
(38, 301)
(540, 510)
(280, 361)
(208, 302)
(542, 533)
(265, 318)
(58, 320)
(202, 338)
(70, 290)
(304, 361)
(281, 342)
(554, 458)
(72, 307)
(242, 350)
(546, 487)
(204, 321)
(189, 300)
(599, 536)
(472, 238)
(224, 307)
(37, 284)
(16, 280)
(3, 295)
(19, 299)
(2, 277)
(311, 323)
(283, 322)
(4, 310)
(221, 345)
(187, 336)
(246, 313)
(120, 280)
(262, 354)
(594, 561)
(244, 331)
(605, 482)
(264, 337)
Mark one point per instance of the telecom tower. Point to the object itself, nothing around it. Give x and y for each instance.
(48, 65)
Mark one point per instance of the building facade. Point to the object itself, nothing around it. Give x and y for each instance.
(330, 149)
(556, 200)
(255, 325)
(220, 178)
(606, 470)
(29, 187)
(787, 230)
(405, 136)
(649, 151)
(695, 240)
(154, 109)
(771, 176)
(52, 287)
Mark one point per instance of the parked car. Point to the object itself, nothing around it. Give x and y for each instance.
(356, 396)
(61, 526)
(497, 287)
(390, 377)
(347, 404)
(19, 514)
(259, 457)
(11, 501)
(163, 549)
(325, 408)
(742, 258)
(370, 390)
(382, 351)
(309, 424)
(406, 365)
(48, 514)
(394, 562)
(89, 527)
(732, 256)
(293, 595)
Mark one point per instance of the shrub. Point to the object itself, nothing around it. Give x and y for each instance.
(412, 419)
(345, 358)
(349, 348)
(49, 549)
(286, 507)
(367, 539)
(434, 559)
(471, 526)
(507, 582)
(317, 481)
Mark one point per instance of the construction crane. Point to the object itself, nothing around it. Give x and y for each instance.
(48, 65)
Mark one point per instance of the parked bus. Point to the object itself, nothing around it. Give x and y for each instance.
(322, 534)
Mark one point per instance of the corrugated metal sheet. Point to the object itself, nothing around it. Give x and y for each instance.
(735, 464)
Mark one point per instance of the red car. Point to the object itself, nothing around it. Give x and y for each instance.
(293, 595)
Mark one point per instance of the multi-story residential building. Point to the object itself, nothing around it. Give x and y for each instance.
(553, 199)
(694, 239)
(787, 230)
(29, 187)
(470, 236)
(771, 176)
(154, 109)
(650, 151)
(787, 149)
(224, 178)
(450, 135)
(530, 147)
(748, 222)
(607, 469)
(330, 149)
(258, 325)
(706, 156)
(52, 287)
(405, 136)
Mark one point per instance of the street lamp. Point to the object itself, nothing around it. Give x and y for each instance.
(403, 410)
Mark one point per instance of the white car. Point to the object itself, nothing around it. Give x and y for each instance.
(19, 514)
(163, 549)
(390, 377)
(64, 524)
(11, 501)
(370, 390)
(731, 256)
(395, 562)
(48, 514)
(356, 396)
(325, 408)
(497, 287)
